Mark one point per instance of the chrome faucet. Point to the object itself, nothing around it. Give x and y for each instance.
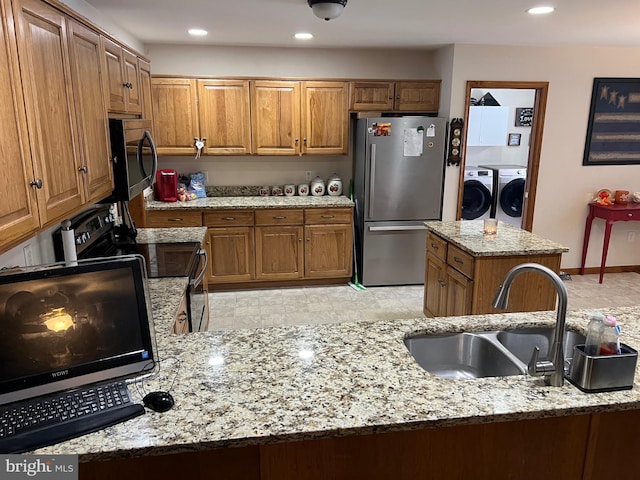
(553, 369)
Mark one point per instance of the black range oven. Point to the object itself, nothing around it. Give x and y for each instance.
(95, 236)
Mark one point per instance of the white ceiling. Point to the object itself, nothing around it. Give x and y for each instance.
(379, 23)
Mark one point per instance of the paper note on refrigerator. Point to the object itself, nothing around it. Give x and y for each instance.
(413, 140)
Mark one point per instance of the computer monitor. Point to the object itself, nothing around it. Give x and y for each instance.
(64, 327)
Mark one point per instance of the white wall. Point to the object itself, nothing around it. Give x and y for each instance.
(104, 22)
(564, 185)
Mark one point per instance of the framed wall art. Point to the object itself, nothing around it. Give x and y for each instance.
(524, 116)
(613, 132)
(514, 139)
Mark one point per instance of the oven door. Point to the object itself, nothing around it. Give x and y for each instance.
(198, 295)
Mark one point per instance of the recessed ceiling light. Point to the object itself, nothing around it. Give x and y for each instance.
(540, 10)
(197, 32)
(303, 36)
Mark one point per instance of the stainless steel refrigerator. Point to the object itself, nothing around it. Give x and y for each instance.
(397, 185)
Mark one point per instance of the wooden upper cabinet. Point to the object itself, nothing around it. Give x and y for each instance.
(145, 90)
(372, 96)
(18, 209)
(175, 115)
(400, 96)
(417, 96)
(91, 111)
(46, 78)
(325, 118)
(275, 117)
(225, 124)
(123, 78)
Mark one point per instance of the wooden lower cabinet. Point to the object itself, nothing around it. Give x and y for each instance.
(279, 252)
(457, 283)
(328, 250)
(231, 257)
(571, 447)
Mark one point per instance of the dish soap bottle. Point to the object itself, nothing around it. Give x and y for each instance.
(610, 338)
(594, 334)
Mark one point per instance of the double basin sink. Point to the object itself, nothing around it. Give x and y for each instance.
(486, 354)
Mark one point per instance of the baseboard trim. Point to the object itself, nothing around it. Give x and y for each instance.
(596, 270)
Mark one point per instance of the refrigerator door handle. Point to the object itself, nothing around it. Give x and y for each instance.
(372, 179)
(397, 228)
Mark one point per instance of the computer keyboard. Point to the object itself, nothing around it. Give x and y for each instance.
(44, 421)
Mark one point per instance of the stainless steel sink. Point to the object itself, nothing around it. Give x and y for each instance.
(485, 354)
(521, 341)
(462, 355)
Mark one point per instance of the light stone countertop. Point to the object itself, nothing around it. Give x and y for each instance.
(257, 386)
(509, 240)
(171, 235)
(324, 201)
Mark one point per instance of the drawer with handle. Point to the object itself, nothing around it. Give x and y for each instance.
(319, 216)
(437, 246)
(283, 216)
(226, 218)
(460, 260)
(174, 218)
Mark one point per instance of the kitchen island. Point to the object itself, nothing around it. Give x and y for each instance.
(464, 268)
(336, 401)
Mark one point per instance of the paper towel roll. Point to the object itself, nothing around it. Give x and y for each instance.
(69, 244)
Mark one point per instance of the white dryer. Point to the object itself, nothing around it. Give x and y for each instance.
(477, 194)
(509, 183)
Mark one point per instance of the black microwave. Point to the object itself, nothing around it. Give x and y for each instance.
(134, 157)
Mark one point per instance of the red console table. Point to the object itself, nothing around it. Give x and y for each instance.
(610, 213)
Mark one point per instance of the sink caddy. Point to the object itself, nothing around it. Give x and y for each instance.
(603, 373)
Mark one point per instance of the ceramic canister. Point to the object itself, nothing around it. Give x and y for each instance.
(289, 190)
(334, 185)
(303, 189)
(317, 187)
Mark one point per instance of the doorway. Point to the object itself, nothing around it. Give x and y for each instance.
(540, 90)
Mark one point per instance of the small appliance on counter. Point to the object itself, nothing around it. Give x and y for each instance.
(166, 185)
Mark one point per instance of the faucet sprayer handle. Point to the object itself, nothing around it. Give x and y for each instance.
(536, 368)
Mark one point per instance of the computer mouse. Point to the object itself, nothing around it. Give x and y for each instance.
(158, 401)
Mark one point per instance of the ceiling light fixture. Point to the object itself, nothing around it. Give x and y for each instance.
(327, 9)
(540, 10)
(303, 36)
(197, 32)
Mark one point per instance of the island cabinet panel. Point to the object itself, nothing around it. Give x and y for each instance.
(532, 449)
(459, 283)
(18, 209)
(242, 463)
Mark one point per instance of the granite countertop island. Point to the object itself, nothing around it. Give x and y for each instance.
(509, 240)
(260, 386)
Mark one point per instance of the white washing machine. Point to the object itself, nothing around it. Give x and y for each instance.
(477, 194)
(509, 182)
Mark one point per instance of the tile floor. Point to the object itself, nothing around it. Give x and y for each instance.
(309, 305)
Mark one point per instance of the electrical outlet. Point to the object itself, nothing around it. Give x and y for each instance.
(28, 255)
(631, 236)
(308, 174)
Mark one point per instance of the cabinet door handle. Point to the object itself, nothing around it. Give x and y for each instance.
(434, 246)
(83, 169)
(328, 216)
(458, 260)
(442, 283)
(36, 183)
(279, 217)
